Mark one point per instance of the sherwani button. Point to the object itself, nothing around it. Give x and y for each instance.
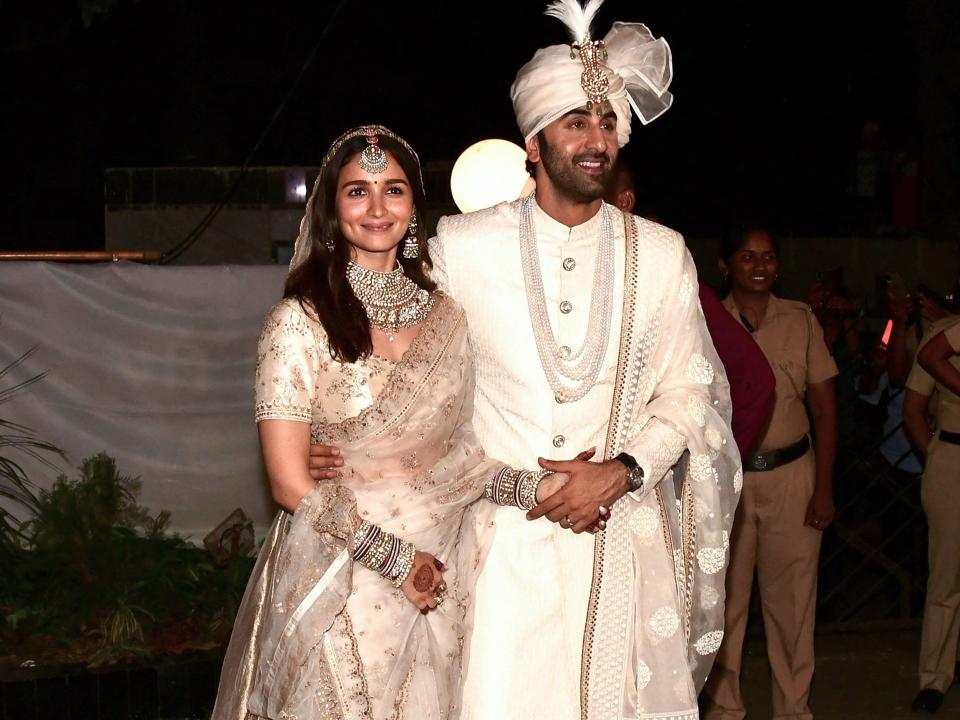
(558, 441)
(564, 351)
(566, 307)
(569, 264)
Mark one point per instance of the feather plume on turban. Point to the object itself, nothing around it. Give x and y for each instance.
(638, 66)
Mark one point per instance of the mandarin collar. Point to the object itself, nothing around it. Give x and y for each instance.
(553, 231)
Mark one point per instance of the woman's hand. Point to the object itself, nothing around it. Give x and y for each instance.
(424, 586)
(553, 482)
(820, 511)
(550, 484)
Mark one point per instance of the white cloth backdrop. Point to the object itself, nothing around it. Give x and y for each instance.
(155, 366)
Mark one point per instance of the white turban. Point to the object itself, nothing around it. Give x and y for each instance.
(638, 66)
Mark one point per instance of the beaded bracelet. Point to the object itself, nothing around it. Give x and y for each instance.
(383, 552)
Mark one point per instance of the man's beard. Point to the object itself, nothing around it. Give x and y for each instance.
(568, 180)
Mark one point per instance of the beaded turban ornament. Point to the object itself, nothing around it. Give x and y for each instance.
(372, 159)
(627, 69)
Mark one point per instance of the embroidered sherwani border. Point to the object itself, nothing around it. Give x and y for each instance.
(608, 644)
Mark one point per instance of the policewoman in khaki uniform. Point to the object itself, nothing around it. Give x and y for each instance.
(787, 498)
(940, 495)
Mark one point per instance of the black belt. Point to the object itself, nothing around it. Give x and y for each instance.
(762, 462)
(950, 437)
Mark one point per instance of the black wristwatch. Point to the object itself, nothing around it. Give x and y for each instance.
(634, 471)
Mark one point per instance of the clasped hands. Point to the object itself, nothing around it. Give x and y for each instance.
(577, 496)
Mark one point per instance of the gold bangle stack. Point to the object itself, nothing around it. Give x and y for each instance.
(383, 552)
(516, 488)
(404, 564)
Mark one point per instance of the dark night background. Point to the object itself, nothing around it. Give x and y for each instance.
(770, 98)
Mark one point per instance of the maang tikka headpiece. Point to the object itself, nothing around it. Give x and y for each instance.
(373, 135)
(578, 19)
(373, 156)
(373, 159)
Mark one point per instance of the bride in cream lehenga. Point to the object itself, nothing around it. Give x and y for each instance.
(357, 604)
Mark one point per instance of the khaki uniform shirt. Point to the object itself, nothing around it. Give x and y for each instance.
(948, 409)
(792, 340)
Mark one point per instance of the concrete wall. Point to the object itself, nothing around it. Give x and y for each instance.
(154, 208)
(242, 235)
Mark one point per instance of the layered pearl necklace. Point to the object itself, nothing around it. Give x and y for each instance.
(571, 375)
(391, 299)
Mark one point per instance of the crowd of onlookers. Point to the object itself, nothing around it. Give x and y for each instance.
(842, 384)
(885, 385)
(902, 383)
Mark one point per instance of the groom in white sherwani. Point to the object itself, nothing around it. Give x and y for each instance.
(586, 331)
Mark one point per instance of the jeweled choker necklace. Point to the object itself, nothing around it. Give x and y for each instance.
(392, 300)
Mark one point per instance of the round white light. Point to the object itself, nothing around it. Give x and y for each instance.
(489, 172)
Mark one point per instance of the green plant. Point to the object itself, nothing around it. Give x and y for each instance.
(98, 579)
(14, 484)
(88, 575)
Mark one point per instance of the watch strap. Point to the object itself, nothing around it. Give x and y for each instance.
(634, 471)
(629, 460)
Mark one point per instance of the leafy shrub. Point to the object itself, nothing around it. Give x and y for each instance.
(92, 577)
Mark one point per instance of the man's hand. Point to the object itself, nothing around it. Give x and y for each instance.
(552, 484)
(324, 459)
(591, 486)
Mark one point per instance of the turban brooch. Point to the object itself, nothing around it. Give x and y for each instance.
(627, 69)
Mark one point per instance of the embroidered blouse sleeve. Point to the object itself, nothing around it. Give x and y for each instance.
(287, 365)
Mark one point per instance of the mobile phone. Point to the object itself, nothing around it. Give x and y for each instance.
(887, 331)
